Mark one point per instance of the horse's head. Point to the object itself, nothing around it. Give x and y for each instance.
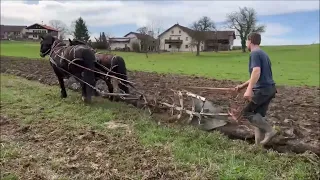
(46, 44)
(75, 42)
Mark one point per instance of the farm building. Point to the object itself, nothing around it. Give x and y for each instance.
(120, 43)
(34, 31)
(179, 38)
(26, 32)
(9, 31)
(142, 40)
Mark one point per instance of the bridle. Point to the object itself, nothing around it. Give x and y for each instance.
(54, 44)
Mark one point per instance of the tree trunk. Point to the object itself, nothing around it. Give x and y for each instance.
(243, 45)
(198, 49)
(158, 46)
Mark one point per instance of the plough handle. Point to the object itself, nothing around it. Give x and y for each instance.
(211, 88)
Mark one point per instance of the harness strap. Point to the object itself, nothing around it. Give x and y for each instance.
(72, 62)
(96, 71)
(52, 61)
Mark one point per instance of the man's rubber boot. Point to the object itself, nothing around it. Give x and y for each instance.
(258, 135)
(262, 124)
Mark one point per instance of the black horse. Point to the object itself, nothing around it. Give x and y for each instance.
(63, 59)
(111, 65)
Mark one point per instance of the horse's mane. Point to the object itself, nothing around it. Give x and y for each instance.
(77, 42)
(59, 43)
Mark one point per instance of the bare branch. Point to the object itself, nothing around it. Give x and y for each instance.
(61, 27)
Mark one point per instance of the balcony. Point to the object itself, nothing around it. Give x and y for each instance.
(35, 33)
(173, 41)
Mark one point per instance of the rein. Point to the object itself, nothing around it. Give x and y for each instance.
(117, 94)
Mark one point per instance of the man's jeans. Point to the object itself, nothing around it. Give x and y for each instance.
(260, 102)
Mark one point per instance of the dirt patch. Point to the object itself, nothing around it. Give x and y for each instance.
(295, 110)
(49, 149)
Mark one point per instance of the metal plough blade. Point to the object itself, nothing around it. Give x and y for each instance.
(209, 122)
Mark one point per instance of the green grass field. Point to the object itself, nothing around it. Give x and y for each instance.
(292, 65)
(199, 154)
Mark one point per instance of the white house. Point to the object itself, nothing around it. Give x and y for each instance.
(179, 38)
(130, 39)
(116, 43)
(35, 30)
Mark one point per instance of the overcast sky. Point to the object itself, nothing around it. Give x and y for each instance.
(288, 22)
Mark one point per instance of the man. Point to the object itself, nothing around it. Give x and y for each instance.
(260, 90)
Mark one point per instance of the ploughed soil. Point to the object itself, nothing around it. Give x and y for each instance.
(294, 112)
(51, 149)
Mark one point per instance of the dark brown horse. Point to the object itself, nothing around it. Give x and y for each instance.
(111, 65)
(65, 61)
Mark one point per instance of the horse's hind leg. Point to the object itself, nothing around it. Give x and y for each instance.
(61, 83)
(123, 86)
(89, 78)
(96, 93)
(110, 88)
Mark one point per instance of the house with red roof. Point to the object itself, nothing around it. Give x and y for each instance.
(27, 32)
(35, 30)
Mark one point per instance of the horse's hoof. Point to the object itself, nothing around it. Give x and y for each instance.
(86, 100)
(96, 94)
(63, 94)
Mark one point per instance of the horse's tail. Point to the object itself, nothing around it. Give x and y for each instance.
(122, 73)
(89, 76)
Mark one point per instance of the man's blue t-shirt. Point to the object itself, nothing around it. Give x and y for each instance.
(259, 58)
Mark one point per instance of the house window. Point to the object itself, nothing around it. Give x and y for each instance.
(187, 46)
(169, 38)
(186, 38)
(178, 38)
(179, 31)
(35, 36)
(172, 32)
(169, 46)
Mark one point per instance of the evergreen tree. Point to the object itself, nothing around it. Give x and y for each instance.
(101, 42)
(104, 38)
(81, 31)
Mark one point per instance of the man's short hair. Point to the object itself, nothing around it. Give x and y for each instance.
(255, 38)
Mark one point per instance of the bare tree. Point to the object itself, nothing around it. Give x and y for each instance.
(199, 28)
(193, 43)
(156, 27)
(61, 27)
(142, 30)
(245, 22)
(148, 41)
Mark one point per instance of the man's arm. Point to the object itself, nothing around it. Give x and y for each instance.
(255, 75)
(245, 84)
(256, 70)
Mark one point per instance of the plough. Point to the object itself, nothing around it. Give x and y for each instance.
(201, 111)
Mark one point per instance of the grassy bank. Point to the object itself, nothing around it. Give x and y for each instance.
(195, 154)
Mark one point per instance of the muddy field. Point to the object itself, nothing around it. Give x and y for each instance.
(294, 111)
